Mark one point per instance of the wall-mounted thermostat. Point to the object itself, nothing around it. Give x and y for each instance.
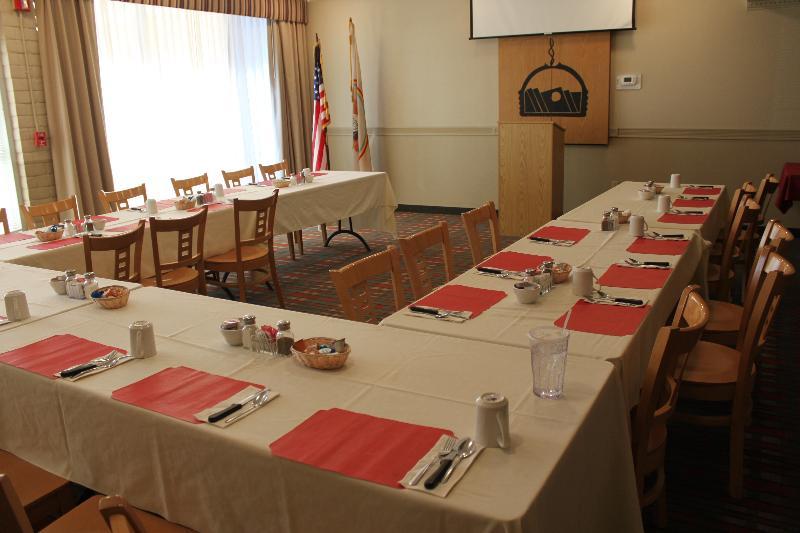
(628, 82)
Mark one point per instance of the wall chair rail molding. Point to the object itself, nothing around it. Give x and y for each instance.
(489, 131)
(706, 134)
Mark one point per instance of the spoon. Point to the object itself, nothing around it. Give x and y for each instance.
(465, 449)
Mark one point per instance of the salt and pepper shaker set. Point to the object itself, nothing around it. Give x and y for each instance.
(251, 337)
(79, 288)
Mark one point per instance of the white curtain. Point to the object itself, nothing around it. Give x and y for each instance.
(184, 92)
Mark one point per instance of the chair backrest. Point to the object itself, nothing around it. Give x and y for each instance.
(50, 213)
(747, 213)
(187, 185)
(119, 516)
(776, 235)
(234, 178)
(118, 200)
(471, 219)
(664, 372)
(414, 248)
(4, 220)
(124, 268)
(354, 291)
(268, 171)
(12, 514)
(185, 228)
(766, 188)
(264, 210)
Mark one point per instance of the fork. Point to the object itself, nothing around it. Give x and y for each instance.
(658, 264)
(447, 447)
(259, 400)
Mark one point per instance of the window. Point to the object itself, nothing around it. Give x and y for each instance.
(184, 92)
(8, 185)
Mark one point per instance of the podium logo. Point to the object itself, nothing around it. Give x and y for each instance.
(568, 99)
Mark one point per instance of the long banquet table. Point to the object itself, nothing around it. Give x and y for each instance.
(569, 467)
(368, 197)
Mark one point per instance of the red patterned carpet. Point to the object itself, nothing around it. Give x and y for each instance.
(697, 458)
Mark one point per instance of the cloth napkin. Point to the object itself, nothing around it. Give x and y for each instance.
(671, 218)
(462, 298)
(681, 202)
(604, 319)
(635, 278)
(442, 489)
(180, 392)
(658, 246)
(559, 233)
(700, 191)
(515, 261)
(54, 354)
(358, 445)
(14, 237)
(56, 244)
(242, 413)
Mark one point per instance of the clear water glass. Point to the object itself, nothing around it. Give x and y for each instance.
(548, 360)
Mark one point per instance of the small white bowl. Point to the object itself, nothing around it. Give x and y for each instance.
(59, 285)
(645, 194)
(99, 224)
(232, 336)
(527, 293)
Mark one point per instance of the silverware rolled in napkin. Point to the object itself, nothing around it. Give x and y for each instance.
(554, 242)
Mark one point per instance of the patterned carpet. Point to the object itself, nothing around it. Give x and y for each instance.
(697, 458)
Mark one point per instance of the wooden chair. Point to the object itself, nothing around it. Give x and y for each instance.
(120, 517)
(49, 213)
(124, 269)
(40, 495)
(471, 219)
(186, 186)
(413, 249)
(724, 376)
(763, 195)
(4, 220)
(234, 177)
(119, 200)
(270, 172)
(660, 393)
(747, 190)
(187, 272)
(353, 290)
(720, 275)
(249, 254)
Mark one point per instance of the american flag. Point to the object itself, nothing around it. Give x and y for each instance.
(319, 148)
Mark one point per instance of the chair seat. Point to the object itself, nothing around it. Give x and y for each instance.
(174, 278)
(714, 273)
(228, 259)
(86, 518)
(712, 364)
(30, 482)
(725, 317)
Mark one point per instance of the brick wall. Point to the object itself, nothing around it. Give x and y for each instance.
(34, 165)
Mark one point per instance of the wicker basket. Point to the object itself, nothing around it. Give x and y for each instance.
(560, 275)
(116, 302)
(304, 351)
(280, 184)
(182, 204)
(49, 236)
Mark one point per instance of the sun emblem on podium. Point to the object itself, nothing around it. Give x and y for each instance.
(553, 90)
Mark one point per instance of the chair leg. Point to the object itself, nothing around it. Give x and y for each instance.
(323, 229)
(290, 238)
(299, 238)
(660, 510)
(736, 482)
(240, 279)
(273, 274)
(201, 281)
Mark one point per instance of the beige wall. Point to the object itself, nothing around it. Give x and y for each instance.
(720, 100)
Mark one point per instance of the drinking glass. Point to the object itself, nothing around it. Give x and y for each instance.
(548, 360)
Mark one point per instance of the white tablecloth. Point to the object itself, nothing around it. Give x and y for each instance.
(569, 468)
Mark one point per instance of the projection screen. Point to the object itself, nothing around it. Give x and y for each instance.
(502, 18)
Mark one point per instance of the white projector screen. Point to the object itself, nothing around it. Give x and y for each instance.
(502, 18)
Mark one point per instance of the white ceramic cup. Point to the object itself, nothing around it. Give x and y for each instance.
(16, 306)
(491, 421)
(637, 225)
(152, 206)
(582, 281)
(664, 202)
(674, 181)
(99, 224)
(219, 192)
(526, 292)
(143, 339)
(646, 194)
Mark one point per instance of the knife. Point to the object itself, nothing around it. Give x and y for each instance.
(436, 478)
(232, 408)
(678, 212)
(664, 264)
(631, 301)
(694, 197)
(74, 371)
(490, 270)
(672, 236)
(423, 309)
(701, 186)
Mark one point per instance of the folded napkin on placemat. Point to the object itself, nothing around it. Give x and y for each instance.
(212, 207)
(244, 398)
(681, 202)
(657, 246)
(635, 278)
(515, 261)
(358, 445)
(671, 218)
(604, 319)
(462, 298)
(56, 353)
(55, 244)
(561, 234)
(180, 392)
(14, 237)
(702, 191)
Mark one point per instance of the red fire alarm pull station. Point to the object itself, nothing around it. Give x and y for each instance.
(40, 139)
(22, 5)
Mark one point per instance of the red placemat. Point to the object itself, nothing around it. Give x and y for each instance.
(212, 207)
(180, 392)
(56, 244)
(235, 189)
(789, 187)
(604, 319)
(96, 217)
(515, 261)
(670, 218)
(56, 353)
(163, 204)
(680, 202)
(462, 298)
(14, 237)
(358, 445)
(559, 233)
(702, 191)
(635, 278)
(126, 227)
(657, 247)
(318, 174)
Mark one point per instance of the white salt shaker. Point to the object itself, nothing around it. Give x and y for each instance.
(143, 339)
(16, 306)
(491, 422)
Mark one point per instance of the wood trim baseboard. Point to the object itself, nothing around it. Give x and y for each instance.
(433, 209)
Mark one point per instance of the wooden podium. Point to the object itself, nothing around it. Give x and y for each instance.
(531, 175)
